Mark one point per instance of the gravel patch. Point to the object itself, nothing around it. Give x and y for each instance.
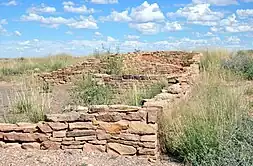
(19, 157)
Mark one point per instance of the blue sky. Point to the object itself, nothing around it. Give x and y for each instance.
(42, 27)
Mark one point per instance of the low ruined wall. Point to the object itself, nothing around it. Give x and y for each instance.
(115, 129)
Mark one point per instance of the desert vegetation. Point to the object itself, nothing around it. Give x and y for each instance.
(213, 126)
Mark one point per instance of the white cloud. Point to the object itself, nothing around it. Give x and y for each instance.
(69, 7)
(98, 34)
(41, 9)
(216, 2)
(245, 13)
(149, 28)
(17, 33)
(111, 39)
(3, 21)
(54, 22)
(10, 3)
(172, 26)
(117, 17)
(147, 13)
(247, 1)
(104, 1)
(68, 3)
(84, 23)
(198, 14)
(233, 40)
(132, 37)
(69, 33)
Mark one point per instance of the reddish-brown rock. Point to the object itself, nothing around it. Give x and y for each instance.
(45, 128)
(80, 133)
(58, 126)
(59, 134)
(33, 145)
(49, 145)
(122, 149)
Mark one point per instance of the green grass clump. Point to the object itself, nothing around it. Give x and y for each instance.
(89, 92)
(114, 64)
(209, 128)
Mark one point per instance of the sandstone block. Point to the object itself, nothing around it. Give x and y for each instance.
(122, 149)
(22, 137)
(86, 117)
(146, 151)
(123, 108)
(49, 145)
(44, 127)
(68, 139)
(98, 108)
(66, 117)
(59, 134)
(97, 142)
(141, 128)
(93, 148)
(135, 116)
(9, 127)
(27, 127)
(55, 139)
(1, 136)
(129, 137)
(110, 127)
(72, 143)
(150, 145)
(102, 135)
(81, 125)
(148, 138)
(109, 117)
(58, 126)
(33, 145)
(152, 117)
(86, 138)
(79, 133)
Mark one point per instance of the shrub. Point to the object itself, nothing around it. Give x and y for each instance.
(201, 131)
(89, 92)
(114, 64)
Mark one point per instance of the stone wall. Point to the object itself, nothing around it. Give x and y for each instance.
(115, 129)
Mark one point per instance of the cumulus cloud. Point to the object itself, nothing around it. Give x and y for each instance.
(111, 39)
(69, 33)
(104, 1)
(9, 3)
(198, 14)
(149, 28)
(147, 13)
(98, 34)
(117, 17)
(216, 2)
(233, 40)
(70, 7)
(245, 13)
(17, 33)
(82, 23)
(3, 21)
(41, 9)
(172, 26)
(132, 37)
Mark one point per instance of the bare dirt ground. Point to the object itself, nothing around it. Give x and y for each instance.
(14, 157)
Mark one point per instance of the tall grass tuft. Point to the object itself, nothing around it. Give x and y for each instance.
(201, 130)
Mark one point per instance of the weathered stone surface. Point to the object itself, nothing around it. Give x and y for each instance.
(23, 137)
(27, 127)
(66, 117)
(59, 134)
(86, 138)
(102, 135)
(44, 127)
(98, 108)
(12, 145)
(79, 133)
(141, 128)
(33, 145)
(86, 117)
(81, 125)
(122, 149)
(41, 137)
(72, 143)
(68, 139)
(49, 145)
(109, 117)
(152, 117)
(150, 145)
(1, 136)
(130, 143)
(111, 127)
(97, 142)
(135, 116)
(175, 89)
(93, 148)
(2, 144)
(123, 108)
(55, 139)
(129, 137)
(9, 127)
(58, 126)
(148, 138)
(72, 147)
(146, 151)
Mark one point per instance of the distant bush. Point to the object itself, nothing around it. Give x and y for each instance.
(114, 64)
(89, 92)
(240, 63)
